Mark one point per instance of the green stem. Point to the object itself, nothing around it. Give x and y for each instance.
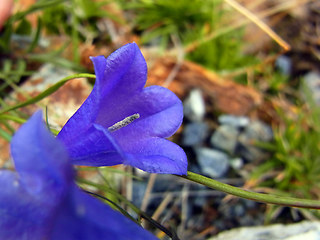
(5, 135)
(259, 197)
(12, 118)
(75, 34)
(47, 92)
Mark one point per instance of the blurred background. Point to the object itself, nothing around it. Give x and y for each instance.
(247, 72)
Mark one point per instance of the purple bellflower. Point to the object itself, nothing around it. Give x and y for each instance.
(41, 201)
(121, 122)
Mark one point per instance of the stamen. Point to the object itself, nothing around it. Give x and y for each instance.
(124, 122)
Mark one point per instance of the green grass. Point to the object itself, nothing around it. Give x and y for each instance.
(294, 168)
(191, 21)
(162, 18)
(223, 53)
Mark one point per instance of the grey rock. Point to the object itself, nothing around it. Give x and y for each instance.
(194, 133)
(194, 106)
(251, 153)
(213, 163)
(284, 64)
(239, 210)
(238, 136)
(234, 121)
(232, 211)
(249, 220)
(311, 83)
(256, 131)
(304, 230)
(236, 163)
(200, 201)
(225, 138)
(165, 183)
(140, 173)
(24, 41)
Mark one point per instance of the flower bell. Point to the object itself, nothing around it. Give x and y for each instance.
(41, 201)
(121, 122)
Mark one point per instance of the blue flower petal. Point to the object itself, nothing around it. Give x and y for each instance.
(23, 216)
(29, 197)
(158, 155)
(83, 217)
(29, 147)
(41, 200)
(118, 93)
(124, 72)
(96, 146)
(154, 155)
(160, 111)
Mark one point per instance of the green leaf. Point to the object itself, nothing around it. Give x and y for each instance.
(36, 36)
(47, 92)
(24, 27)
(5, 135)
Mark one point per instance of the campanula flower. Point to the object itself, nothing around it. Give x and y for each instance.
(121, 122)
(41, 201)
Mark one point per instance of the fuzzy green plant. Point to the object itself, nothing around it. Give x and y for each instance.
(223, 53)
(159, 19)
(192, 21)
(294, 168)
(76, 20)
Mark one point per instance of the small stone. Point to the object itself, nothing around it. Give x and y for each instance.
(311, 81)
(24, 41)
(251, 220)
(239, 210)
(251, 153)
(200, 201)
(284, 64)
(165, 183)
(140, 173)
(258, 130)
(194, 134)
(255, 132)
(213, 163)
(234, 121)
(225, 138)
(194, 106)
(309, 230)
(236, 163)
(232, 211)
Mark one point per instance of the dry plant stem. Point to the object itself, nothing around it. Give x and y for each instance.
(128, 181)
(259, 197)
(163, 205)
(180, 58)
(282, 6)
(147, 193)
(184, 209)
(259, 23)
